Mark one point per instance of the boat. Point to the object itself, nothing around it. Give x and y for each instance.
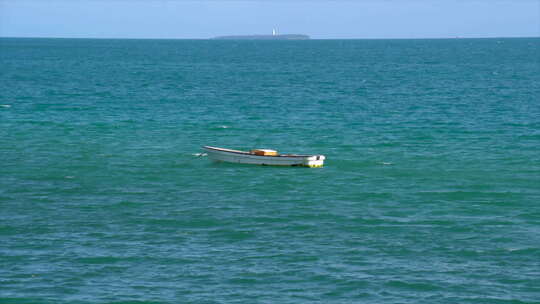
(265, 157)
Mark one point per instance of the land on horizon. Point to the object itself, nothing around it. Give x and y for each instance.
(265, 37)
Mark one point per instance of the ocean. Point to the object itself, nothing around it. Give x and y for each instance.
(430, 191)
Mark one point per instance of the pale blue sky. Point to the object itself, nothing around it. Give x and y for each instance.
(317, 18)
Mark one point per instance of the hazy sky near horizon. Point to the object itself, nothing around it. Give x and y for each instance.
(317, 18)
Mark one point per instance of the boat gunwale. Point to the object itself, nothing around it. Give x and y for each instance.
(251, 154)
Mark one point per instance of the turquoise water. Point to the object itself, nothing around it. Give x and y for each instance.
(430, 192)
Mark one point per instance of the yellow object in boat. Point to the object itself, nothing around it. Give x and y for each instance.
(264, 152)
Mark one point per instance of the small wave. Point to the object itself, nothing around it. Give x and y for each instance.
(386, 163)
(5, 106)
(223, 127)
(69, 177)
(199, 154)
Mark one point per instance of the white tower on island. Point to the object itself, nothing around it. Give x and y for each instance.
(274, 32)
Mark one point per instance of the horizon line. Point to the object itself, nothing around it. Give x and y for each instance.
(213, 38)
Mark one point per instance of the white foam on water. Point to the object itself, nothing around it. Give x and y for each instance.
(224, 127)
(386, 164)
(199, 154)
(69, 177)
(5, 106)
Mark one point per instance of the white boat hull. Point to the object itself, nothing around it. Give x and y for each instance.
(242, 157)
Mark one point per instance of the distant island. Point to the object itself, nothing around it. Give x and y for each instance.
(265, 37)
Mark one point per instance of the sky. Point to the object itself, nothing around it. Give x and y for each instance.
(321, 19)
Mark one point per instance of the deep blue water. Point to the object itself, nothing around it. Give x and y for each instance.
(430, 192)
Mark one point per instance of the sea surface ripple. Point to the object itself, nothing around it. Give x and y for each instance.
(430, 192)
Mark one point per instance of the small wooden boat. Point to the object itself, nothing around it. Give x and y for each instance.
(263, 157)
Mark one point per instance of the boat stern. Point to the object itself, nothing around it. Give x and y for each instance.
(314, 161)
